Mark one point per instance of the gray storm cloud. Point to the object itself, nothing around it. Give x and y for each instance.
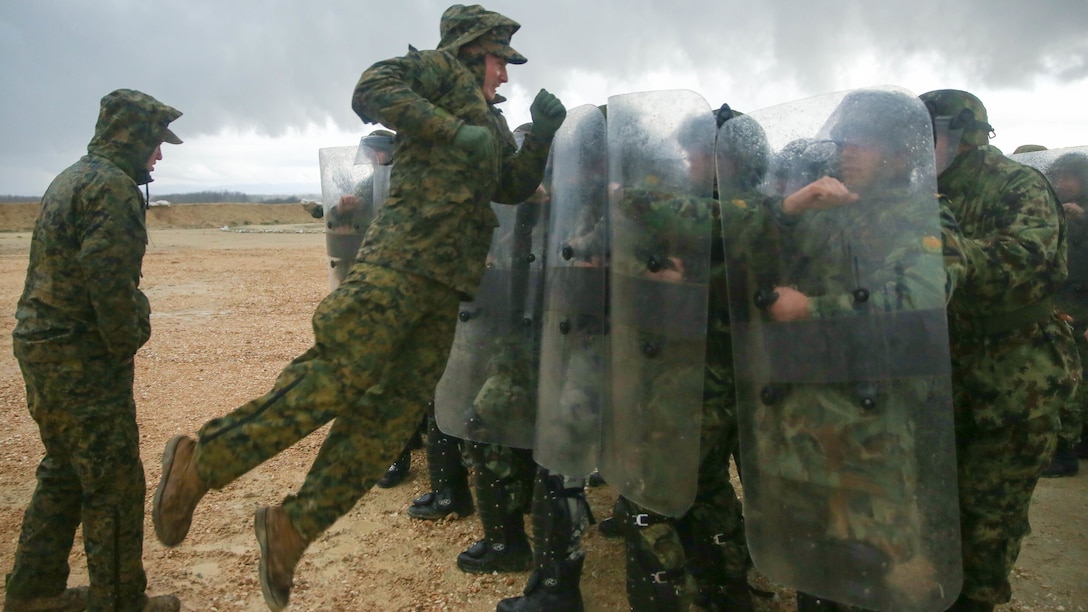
(273, 66)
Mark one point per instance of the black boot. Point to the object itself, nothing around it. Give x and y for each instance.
(560, 513)
(505, 547)
(551, 588)
(397, 472)
(450, 496)
(1065, 462)
(811, 603)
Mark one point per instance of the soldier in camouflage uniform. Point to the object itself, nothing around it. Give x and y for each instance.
(1014, 361)
(383, 337)
(1069, 176)
(80, 321)
(834, 459)
(700, 559)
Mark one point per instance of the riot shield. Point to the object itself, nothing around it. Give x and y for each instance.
(841, 352)
(573, 356)
(660, 157)
(353, 187)
(488, 390)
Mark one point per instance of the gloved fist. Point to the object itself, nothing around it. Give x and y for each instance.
(548, 114)
(476, 141)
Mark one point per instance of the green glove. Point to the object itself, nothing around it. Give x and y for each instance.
(548, 114)
(474, 140)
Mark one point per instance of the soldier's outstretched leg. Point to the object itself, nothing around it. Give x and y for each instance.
(450, 496)
(656, 579)
(503, 485)
(560, 515)
(398, 471)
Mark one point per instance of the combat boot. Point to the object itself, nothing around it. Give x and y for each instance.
(68, 600)
(162, 603)
(505, 548)
(281, 548)
(452, 503)
(1065, 462)
(733, 596)
(180, 490)
(450, 496)
(553, 587)
(397, 472)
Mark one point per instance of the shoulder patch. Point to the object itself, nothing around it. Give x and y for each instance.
(931, 244)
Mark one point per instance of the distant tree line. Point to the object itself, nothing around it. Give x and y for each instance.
(200, 197)
(211, 197)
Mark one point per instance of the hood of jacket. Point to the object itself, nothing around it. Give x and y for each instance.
(131, 124)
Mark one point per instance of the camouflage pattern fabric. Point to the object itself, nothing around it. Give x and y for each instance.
(80, 320)
(1012, 372)
(92, 473)
(82, 296)
(437, 221)
(1072, 299)
(512, 466)
(381, 340)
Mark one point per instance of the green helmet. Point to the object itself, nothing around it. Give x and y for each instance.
(964, 111)
(376, 148)
(1028, 148)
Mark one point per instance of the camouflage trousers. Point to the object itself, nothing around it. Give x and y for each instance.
(511, 466)
(707, 544)
(1072, 413)
(91, 473)
(381, 341)
(998, 470)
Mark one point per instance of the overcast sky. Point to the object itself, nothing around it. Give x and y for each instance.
(263, 84)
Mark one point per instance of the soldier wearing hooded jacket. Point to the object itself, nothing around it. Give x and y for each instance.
(383, 336)
(1014, 361)
(80, 321)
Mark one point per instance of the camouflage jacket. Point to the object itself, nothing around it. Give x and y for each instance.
(1013, 237)
(82, 297)
(437, 221)
(887, 246)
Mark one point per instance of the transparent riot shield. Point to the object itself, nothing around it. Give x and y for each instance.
(660, 157)
(841, 351)
(353, 187)
(573, 359)
(488, 391)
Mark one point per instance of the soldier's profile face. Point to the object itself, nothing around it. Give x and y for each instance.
(156, 155)
(494, 75)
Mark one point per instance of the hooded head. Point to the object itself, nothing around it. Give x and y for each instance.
(491, 31)
(131, 124)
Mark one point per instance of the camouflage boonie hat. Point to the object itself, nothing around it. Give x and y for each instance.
(462, 25)
(965, 109)
(130, 102)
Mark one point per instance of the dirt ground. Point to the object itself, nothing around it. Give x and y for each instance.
(230, 309)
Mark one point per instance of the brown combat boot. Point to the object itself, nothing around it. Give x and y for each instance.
(281, 549)
(69, 600)
(179, 491)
